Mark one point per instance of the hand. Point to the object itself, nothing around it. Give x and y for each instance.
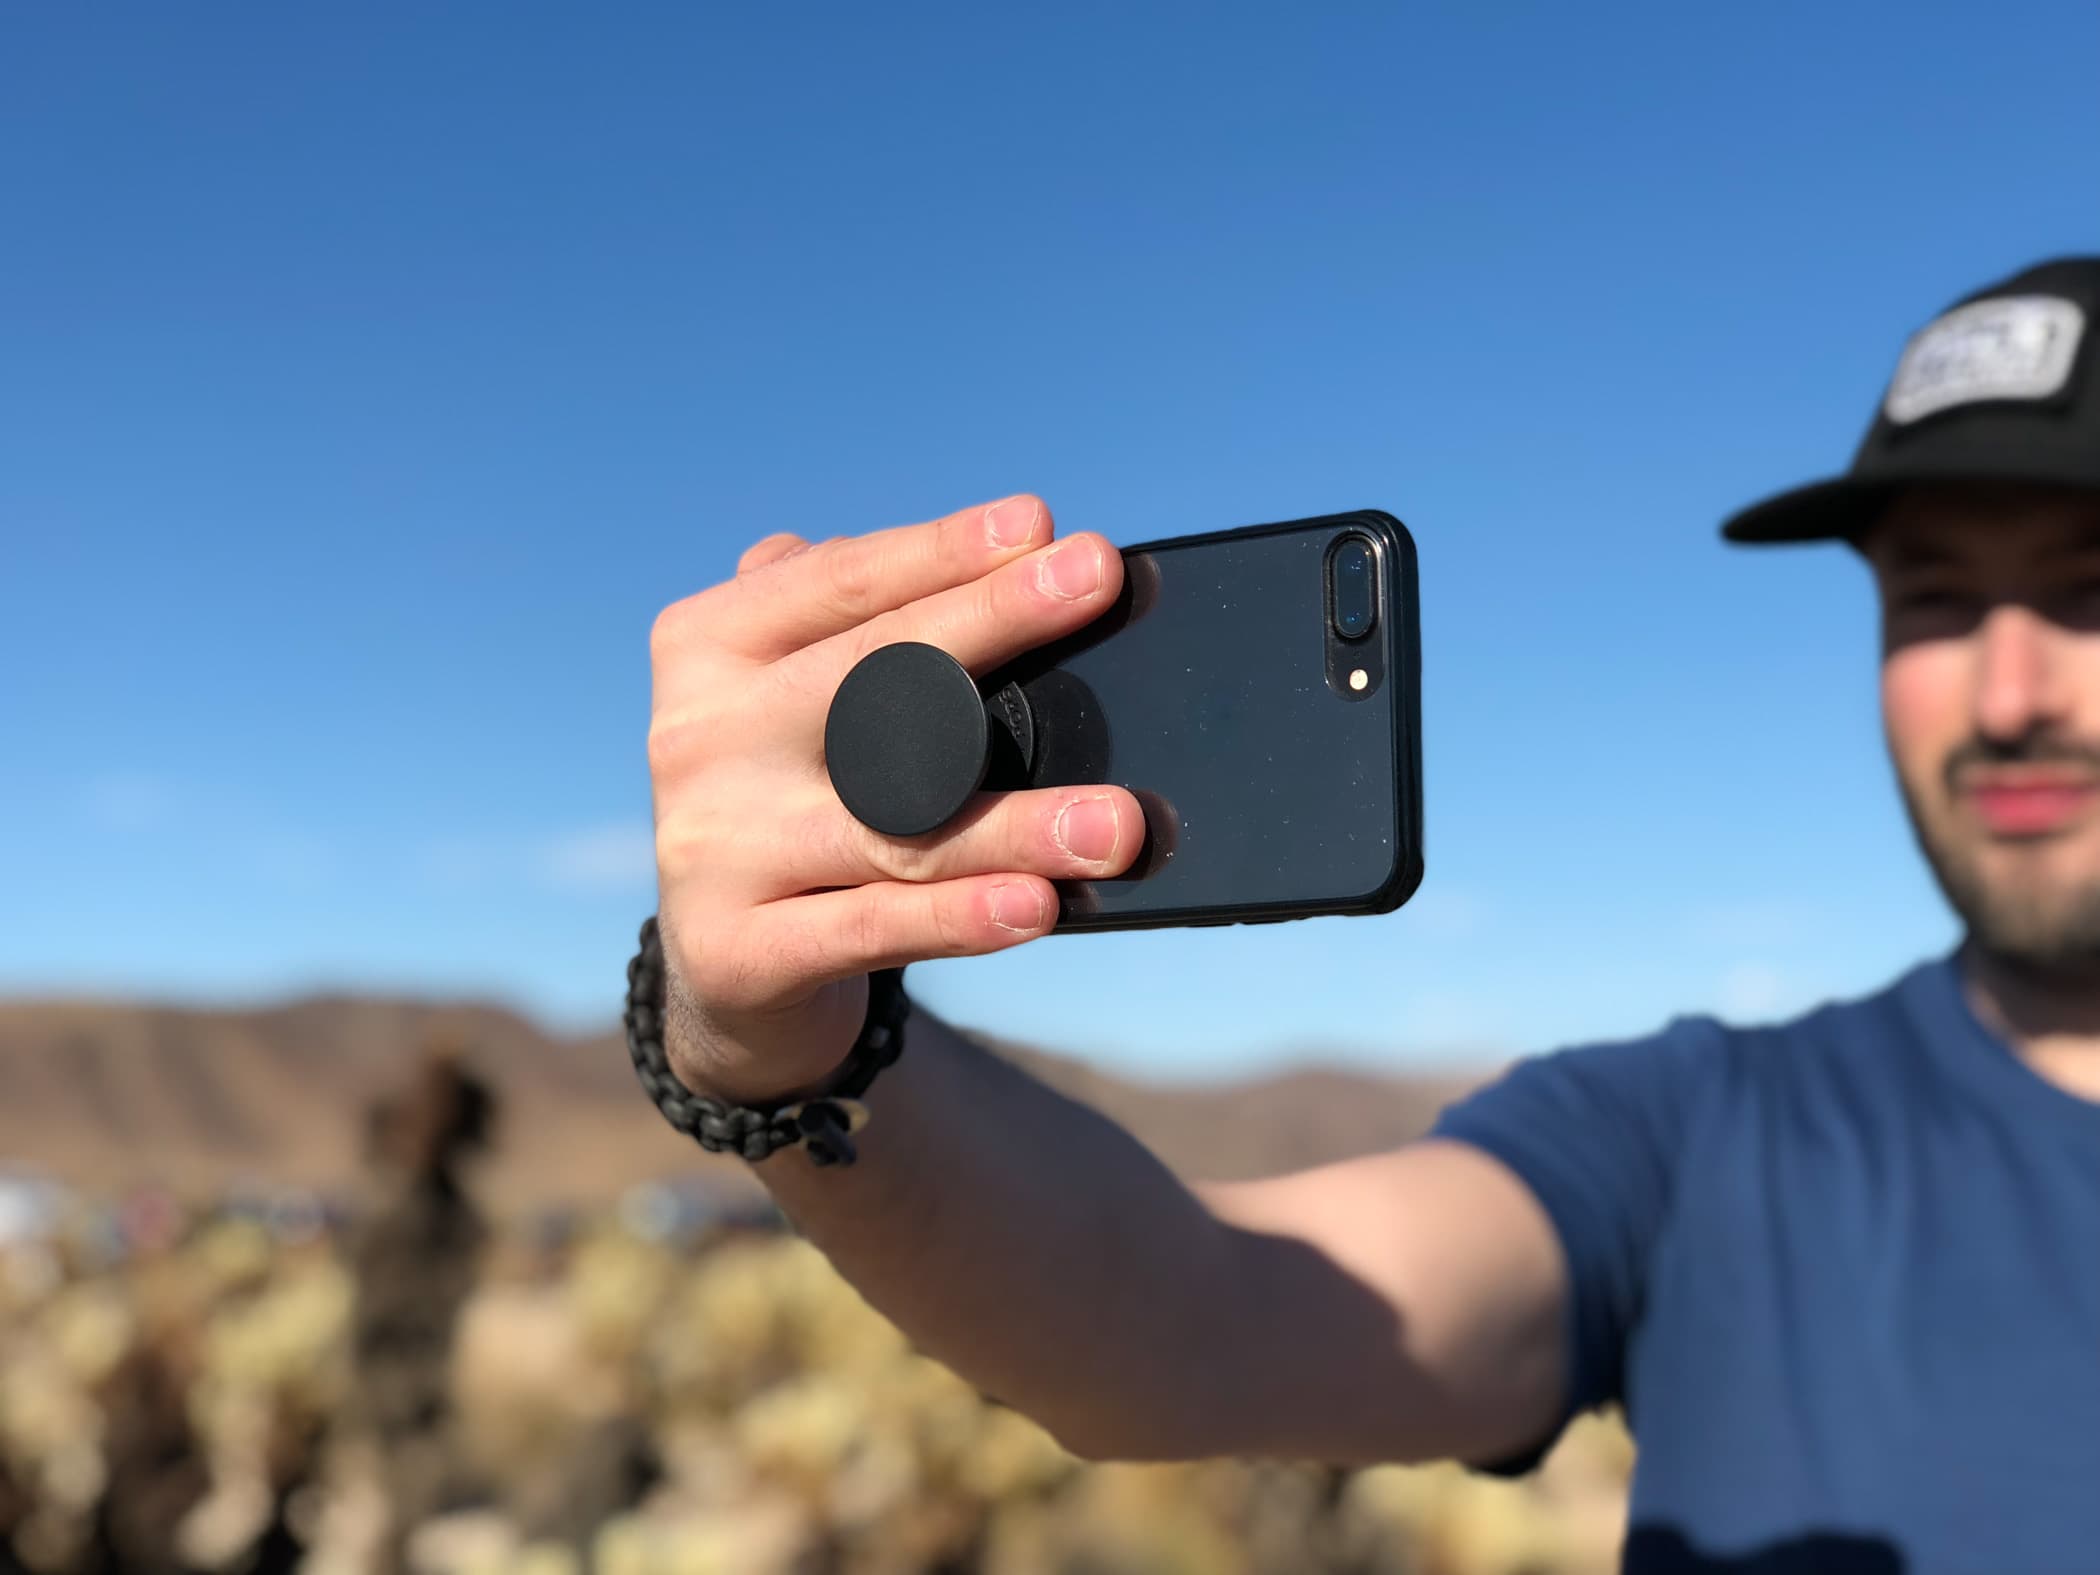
(775, 903)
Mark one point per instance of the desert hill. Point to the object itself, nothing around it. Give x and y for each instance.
(105, 1094)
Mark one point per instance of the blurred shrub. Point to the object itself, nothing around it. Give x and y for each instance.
(642, 1406)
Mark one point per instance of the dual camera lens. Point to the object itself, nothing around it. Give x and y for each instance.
(1352, 587)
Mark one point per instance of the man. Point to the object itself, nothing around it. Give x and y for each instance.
(1844, 1271)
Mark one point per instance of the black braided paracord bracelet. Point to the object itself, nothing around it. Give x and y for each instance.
(825, 1121)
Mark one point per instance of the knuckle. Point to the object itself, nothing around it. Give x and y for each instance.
(896, 858)
(948, 920)
(844, 652)
(682, 632)
(869, 925)
(850, 581)
(681, 845)
(964, 535)
(676, 745)
(665, 751)
(766, 549)
(1006, 598)
(956, 618)
(670, 630)
(727, 841)
(841, 850)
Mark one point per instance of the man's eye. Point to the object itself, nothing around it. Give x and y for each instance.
(2080, 605)
(1932, 613)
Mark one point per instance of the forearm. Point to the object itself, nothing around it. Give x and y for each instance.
(1032, 1245)
(1014, 1234)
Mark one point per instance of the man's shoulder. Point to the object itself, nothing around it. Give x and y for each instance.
(1701, 1058)
(1859, 1029)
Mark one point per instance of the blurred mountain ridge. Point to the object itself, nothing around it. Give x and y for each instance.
(110, 1094)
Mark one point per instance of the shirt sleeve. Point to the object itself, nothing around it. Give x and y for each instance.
(1595, 1131)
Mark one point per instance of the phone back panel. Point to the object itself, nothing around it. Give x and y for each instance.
(1216, 692)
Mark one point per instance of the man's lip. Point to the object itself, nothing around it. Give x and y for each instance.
(2028, 803)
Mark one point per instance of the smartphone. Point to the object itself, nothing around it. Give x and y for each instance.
(1258, 690)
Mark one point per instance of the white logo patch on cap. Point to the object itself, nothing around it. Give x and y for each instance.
(2012, 347)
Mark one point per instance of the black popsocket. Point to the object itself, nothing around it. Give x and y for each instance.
(910, 738)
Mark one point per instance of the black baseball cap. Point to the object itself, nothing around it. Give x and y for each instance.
(2002, 386)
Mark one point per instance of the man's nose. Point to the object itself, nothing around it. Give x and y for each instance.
(2019, 678)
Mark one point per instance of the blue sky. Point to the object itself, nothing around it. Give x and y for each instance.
(368, 379)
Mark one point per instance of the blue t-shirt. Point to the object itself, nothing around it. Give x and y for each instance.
(1844, 1275)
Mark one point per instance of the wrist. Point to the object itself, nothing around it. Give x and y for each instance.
(821, 1121)
(694, 1073)
(695, 1060)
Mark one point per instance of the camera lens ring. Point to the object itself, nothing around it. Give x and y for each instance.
(1352, 578)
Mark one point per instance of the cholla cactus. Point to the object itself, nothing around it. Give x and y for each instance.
(414, 1259)
(635, 1406)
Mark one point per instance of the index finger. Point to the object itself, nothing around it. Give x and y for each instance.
(841, 584)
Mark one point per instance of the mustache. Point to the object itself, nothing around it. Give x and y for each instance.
(2033, 750)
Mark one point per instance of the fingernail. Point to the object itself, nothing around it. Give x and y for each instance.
(1088, 829)
(1072, 570)
(1011, 521)
(1017, 906)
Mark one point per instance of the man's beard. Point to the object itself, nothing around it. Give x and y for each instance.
(2043, 930)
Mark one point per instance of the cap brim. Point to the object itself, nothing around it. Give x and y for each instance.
(1825, 511)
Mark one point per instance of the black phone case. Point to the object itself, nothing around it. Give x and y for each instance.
(1217, 691)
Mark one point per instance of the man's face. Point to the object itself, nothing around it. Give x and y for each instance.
(1990, 693)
